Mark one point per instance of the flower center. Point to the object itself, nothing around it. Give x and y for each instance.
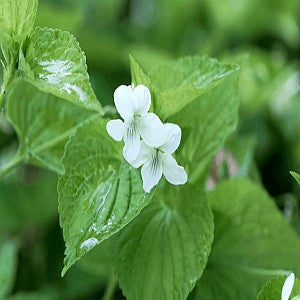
(131, 130)
(154, 161)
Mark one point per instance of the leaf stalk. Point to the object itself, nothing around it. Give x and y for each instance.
(111, 288)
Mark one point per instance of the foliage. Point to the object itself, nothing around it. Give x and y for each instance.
(165, 250)
(243, 257)
(230, 229)
(272, 289)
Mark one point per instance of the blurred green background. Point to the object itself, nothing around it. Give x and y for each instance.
(262, 36)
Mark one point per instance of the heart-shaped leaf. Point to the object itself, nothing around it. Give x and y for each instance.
(55, 64)
(98, 194)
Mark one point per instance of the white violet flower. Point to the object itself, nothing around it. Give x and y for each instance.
(158, 161)
(288, 287)
(133, 104)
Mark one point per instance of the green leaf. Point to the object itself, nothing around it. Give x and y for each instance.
(55, 64)
(43, 124)
(272, 289)
(17, 18)
(191, 92)
(206, 124)
(139, 77)
(179, 83)
(8, 265)
(97, 196)
(253, 242)
(16, 22)
(137, 74)
(48, 294)
(296, 176)
(163, 252)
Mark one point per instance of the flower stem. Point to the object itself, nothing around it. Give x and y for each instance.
(111, 288)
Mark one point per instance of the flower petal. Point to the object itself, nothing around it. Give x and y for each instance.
(132, 143)
(174, 173)
(151, 173)
(288, 287)
(144, 155)
(123, 98)
(173, 138)
(142, 100)
(152, 130)
(115, 129)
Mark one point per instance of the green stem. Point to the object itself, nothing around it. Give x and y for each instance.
(111, 288)
(11, 165)
(2, 94)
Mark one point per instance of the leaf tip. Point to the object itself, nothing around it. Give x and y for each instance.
(64, 270)
(296, 176)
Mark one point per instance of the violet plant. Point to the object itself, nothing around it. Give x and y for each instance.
(169, 236)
